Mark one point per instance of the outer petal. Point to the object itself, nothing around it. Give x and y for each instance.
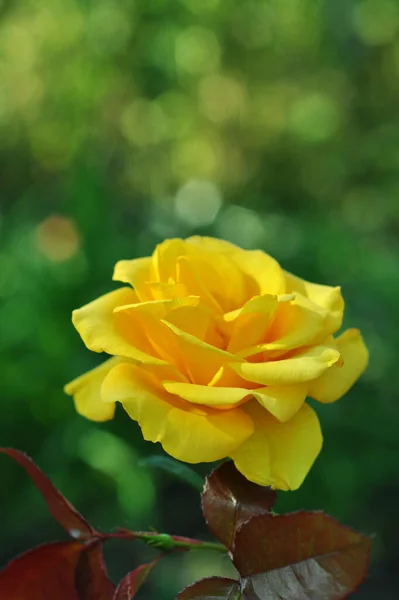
(281, 402)
(103, 330)
(216, 397)
(337, 381)
(279, 454)
(297, 323)
(210, 244)
(137, 272)
(159, 309)
(189, 433)
(86, 392)
(326, 297)
(264, 271)
(305, 366)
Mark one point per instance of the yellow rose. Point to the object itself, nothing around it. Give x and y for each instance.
(214, 351)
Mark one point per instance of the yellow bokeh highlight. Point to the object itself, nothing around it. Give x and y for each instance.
(58, 238)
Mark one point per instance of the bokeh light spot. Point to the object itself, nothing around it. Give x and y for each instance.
(198, 156)
(18, 44)
(179, 111)
(198, 202)
(376, 21)
(314, 117)
(143, 123)
(197, 51)
(108, 30)
(58, 238)
(221, 97)
(241, 226)
(253, 23)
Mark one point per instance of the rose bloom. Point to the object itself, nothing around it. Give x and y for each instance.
(214, 352)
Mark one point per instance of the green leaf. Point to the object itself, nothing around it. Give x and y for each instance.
(176, 468)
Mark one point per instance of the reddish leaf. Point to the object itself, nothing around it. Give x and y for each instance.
(62, 510)
(91, 578)
(133, 582)
(303, 555)
(42, 573)
(229, 499)
(212, 588)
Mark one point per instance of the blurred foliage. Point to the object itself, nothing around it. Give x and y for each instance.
(272, 124)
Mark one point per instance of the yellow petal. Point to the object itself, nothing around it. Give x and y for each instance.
(326, 297)
(137, 318)
(103, 330)
(189, 433)
(250, 324)
(210, 244)
(171, 343)
(163, 291)
(205, 271)
(202, 360)
(166, 256)
(219, 397)
(159, 309)
(226, 377)
(86, 392)
(198, 359)
(335, 382)
(189, 274)
(195, 320)
(137, 272)
(265, 272)
(281, 402)
(297, 322)
(279, 454)
(305, 366)
(165, 372)
(215, 277)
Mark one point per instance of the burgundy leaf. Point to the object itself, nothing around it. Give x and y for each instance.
(300, 556)
(212, 588)
(229, 499)
(91, 578)
(62, 510)
(133, 582)
(43, 573)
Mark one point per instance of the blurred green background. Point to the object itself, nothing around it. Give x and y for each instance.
(273, 124)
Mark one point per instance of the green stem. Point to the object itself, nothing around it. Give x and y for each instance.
(166, 542)
(202, 546)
